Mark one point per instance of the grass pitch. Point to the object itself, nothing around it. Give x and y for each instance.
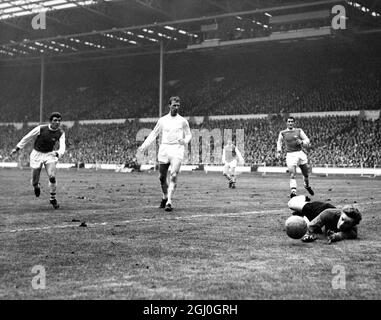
(218, 243)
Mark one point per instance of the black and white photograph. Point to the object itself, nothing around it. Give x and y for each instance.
(190, 156)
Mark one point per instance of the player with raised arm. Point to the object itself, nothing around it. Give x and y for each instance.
(295, 139)
(176, 135)
(43, 153)
(231, 156)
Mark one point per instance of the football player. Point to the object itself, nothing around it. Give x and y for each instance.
(295, 139)
(43, 154)
(304, 207)
(176, 135)
(337, 224)
(231, 156)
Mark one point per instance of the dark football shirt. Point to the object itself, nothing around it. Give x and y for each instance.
(47, 139)
(312, 209)
(290, 137)
(329, 219)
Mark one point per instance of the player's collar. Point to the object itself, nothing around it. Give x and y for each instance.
(169, 114)
(50, 128)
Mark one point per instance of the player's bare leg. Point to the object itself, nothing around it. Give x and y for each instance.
(175, 168)
(293, 185)
(51, 172)
(232, 170)
(163, 172)
(35, 181)
(227, 175)
(304, 169)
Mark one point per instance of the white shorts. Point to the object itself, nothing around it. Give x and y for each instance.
(37, 159)
(169, 152)
(232, 164)
(296, 158)
(297, 203)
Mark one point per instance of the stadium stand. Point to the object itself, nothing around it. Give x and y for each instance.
(340, 141)
(312, 79)
(289, 80)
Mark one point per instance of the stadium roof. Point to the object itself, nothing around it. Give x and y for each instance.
(12, 9)
(73, 29)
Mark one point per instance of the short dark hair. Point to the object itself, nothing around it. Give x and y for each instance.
(173, 98)
(290, 118)
(55, 115)
(352, 213)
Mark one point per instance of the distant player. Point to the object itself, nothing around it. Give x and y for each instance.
(295, 139)
(176, 135)
(43, 153)
(230, 158)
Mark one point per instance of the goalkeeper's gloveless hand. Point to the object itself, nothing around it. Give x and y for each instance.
(308, 238)
(331, 236)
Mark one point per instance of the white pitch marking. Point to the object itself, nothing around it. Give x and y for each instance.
(232, 214)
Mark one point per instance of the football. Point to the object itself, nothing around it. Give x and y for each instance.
(296, 227)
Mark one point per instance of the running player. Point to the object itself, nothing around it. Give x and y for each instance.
(176, 135)
(295, 139)
(230, 157)
(43, 153)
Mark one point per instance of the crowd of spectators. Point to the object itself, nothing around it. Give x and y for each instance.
(340, 141)
(265, 82)
(268, 81)
(102, 143)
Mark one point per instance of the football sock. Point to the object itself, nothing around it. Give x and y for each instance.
(293, 185)
(171, 191)
(306, 182)
(228, 176)
(35, 177)
(164, 188)
(52, 188)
